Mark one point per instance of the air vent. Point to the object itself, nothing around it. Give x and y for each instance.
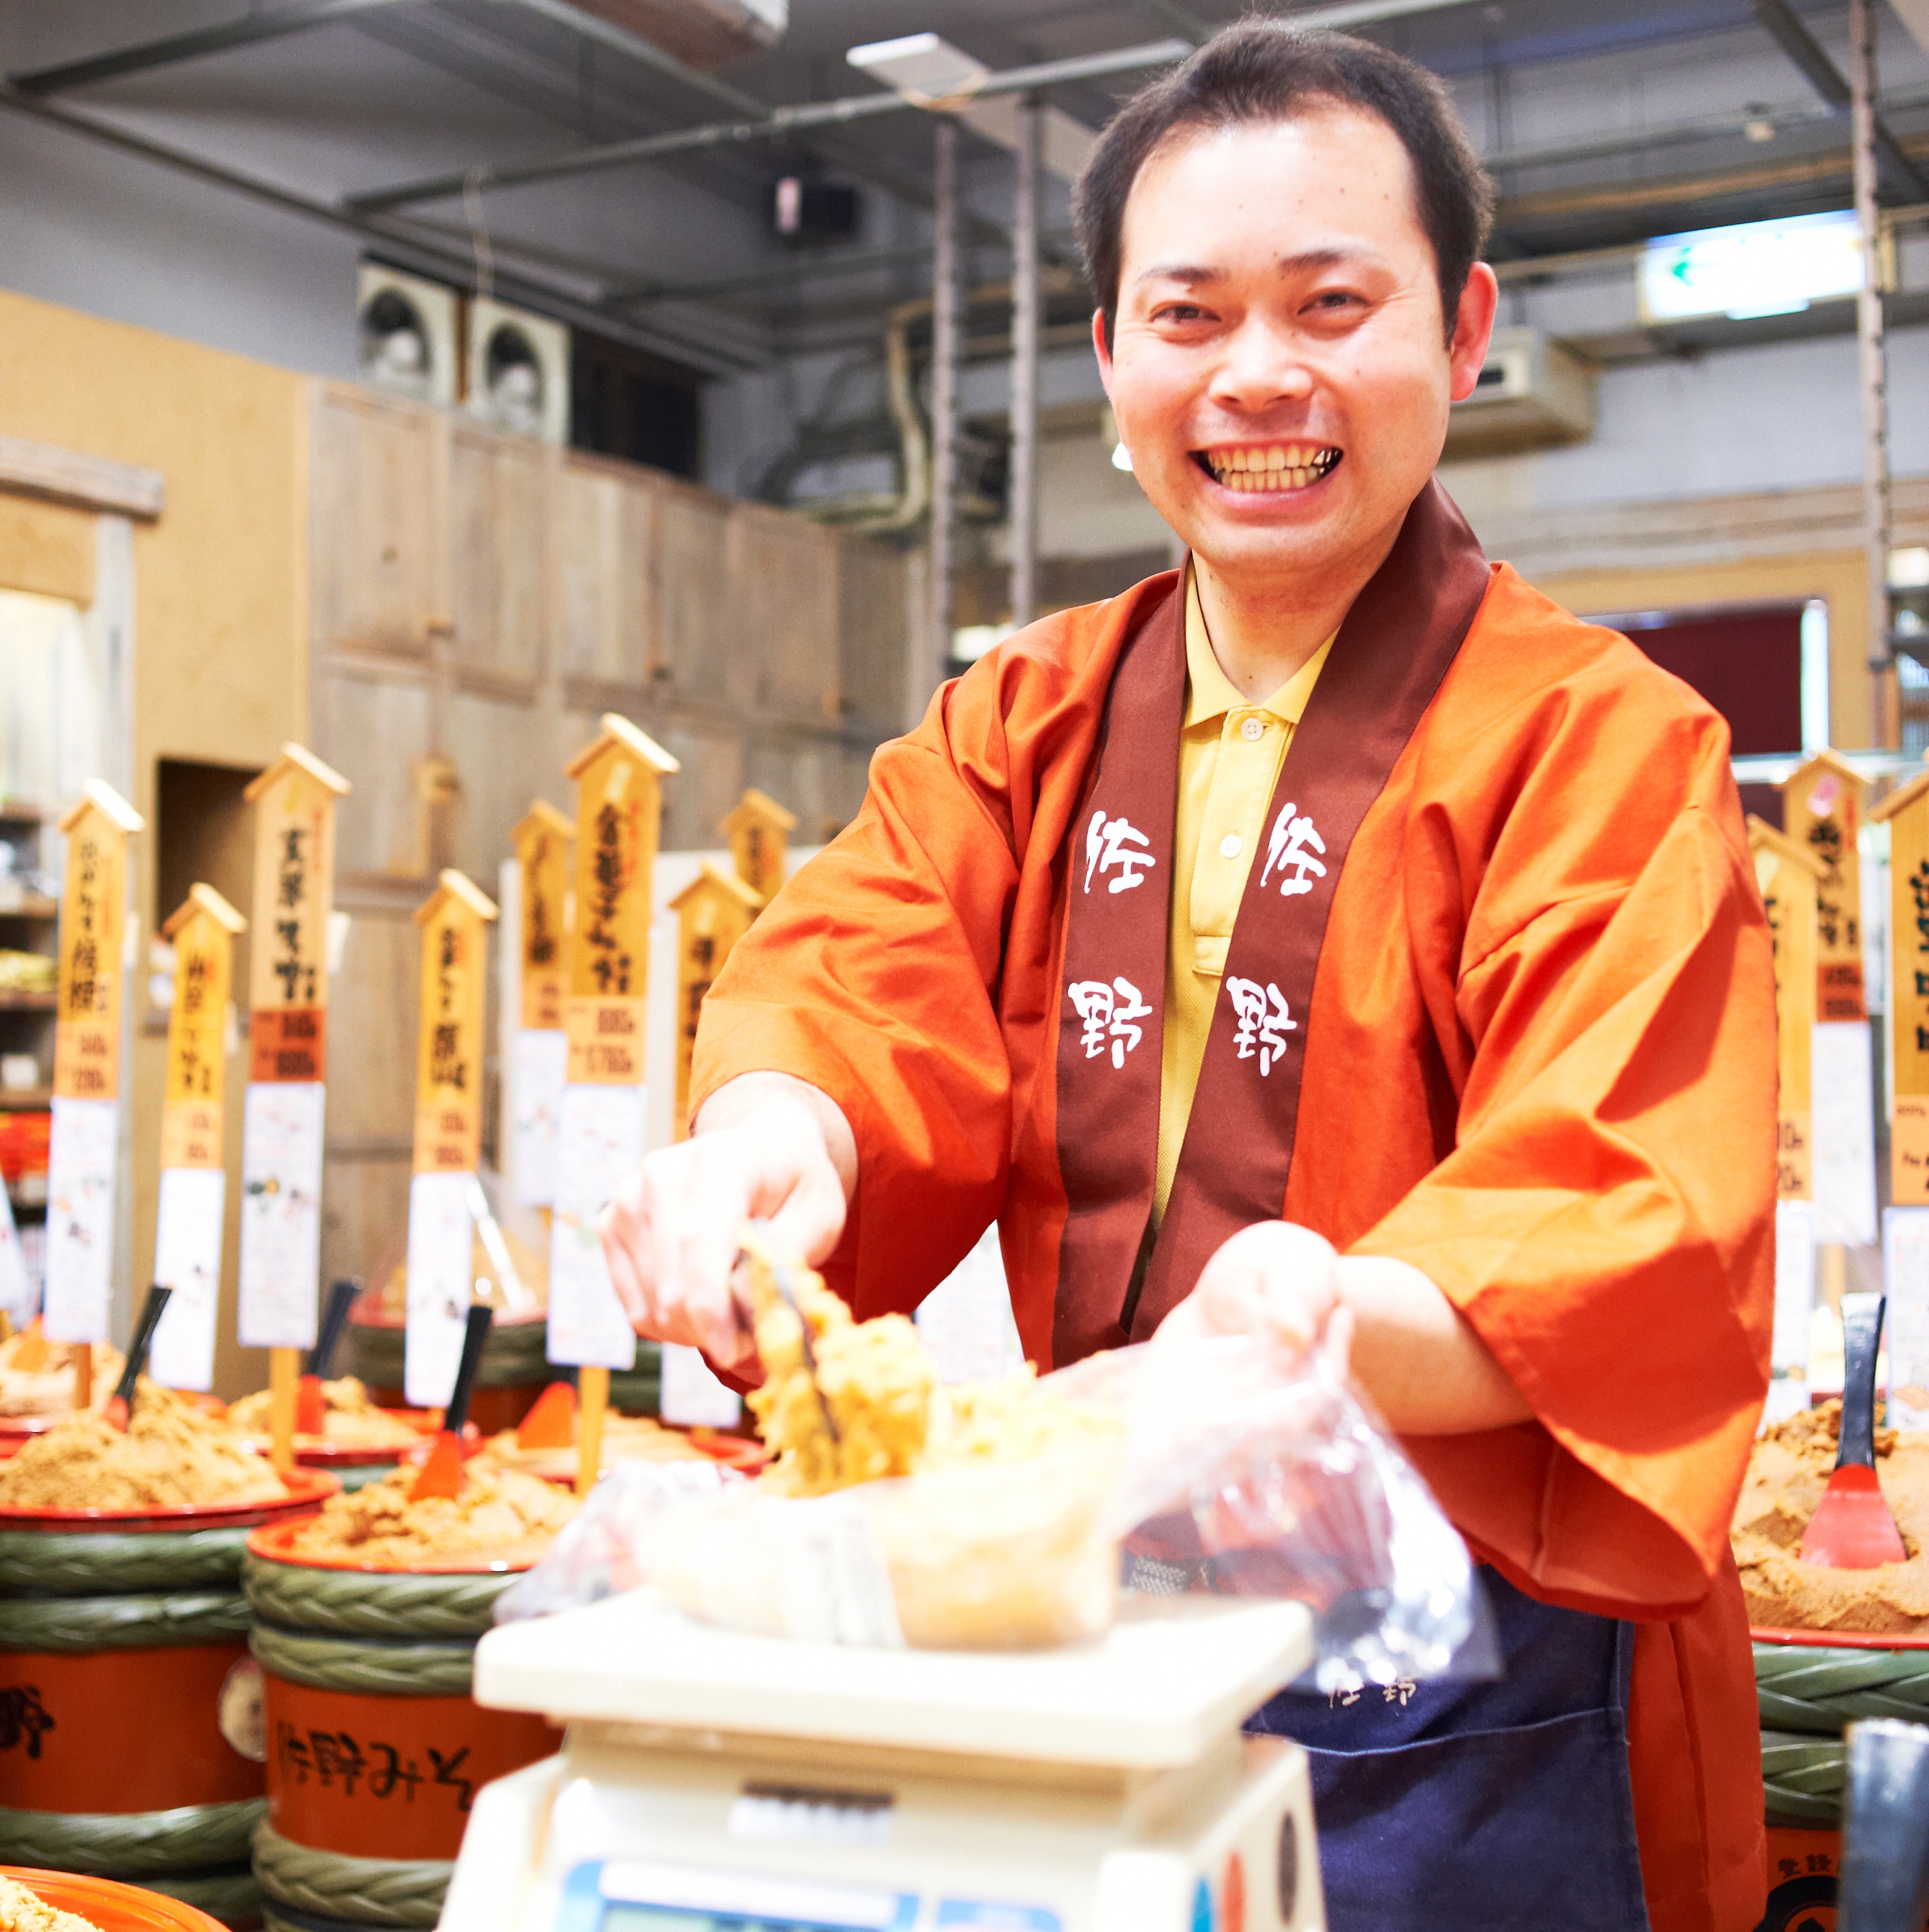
(518, 371)
(1531, 394)
(406, 331)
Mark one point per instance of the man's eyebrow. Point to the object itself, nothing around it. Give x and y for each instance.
(1192, 274)
(1309, 261)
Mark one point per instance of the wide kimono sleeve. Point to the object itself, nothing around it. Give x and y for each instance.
(873, 975)
(1605, 1219)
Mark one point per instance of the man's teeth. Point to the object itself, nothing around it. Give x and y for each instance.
(1290, 466)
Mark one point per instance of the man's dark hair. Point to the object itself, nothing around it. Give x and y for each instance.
(1264, 71)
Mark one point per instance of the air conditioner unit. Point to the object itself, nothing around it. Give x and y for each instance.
(407, 331)
(518, 371)
(1532, 393)
(702, 33)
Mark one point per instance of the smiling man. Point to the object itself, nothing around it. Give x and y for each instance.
(1332, 938)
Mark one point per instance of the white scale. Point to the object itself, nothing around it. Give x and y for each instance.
(712, 1781)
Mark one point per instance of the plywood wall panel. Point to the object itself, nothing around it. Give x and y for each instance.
(496, 745)
(700, 634)
(606, 585)
(374, 728)
(873, 661)
(499, 492)
(372, 1030)
(373, 524)
(784, 568)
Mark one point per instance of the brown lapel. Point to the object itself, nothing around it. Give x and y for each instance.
(1392, 650)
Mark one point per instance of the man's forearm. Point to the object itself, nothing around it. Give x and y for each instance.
(1418, 1357)
(737, 1103)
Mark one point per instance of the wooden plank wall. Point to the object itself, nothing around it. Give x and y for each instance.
(478, 601)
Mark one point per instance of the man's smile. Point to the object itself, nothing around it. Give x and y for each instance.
(1272, 467)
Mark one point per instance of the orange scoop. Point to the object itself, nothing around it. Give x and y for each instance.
(121, 1402)
(311, 1405)
(551, 1424)
(31, 1355)
(1852, 1528)
(442, 1471)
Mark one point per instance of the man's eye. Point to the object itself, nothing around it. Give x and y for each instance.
(1331, 299)
(1178, 312)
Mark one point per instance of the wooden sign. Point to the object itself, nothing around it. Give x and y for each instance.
(1789, 877)
(449, 1043)
(454, 922)
(619, 815)
(295, 801)
(759, 833)
(713, 912)
(188, 1226)
(83, 1157)
(1906, 812)
(93, 930)
(1822, 811)
(618, 809)
(542, 842)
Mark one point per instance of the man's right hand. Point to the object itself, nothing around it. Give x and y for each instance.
(766, 1147)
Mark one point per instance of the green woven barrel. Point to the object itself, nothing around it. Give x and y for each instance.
(514, 1356)
(402, 1637)
(1807, 1694)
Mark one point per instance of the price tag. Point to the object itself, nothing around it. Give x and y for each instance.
(188, 1259)
(1822, 811)
(619, 780)
(83, 1155)
(1845, 1142)
(454, 922)
(539, 1053)
(295, 801)
(759, 831)
(693, 1395)
(1787, 876)
(713, 912)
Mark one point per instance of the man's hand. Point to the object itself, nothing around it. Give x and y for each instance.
(1427, 1370)
(766, 1148)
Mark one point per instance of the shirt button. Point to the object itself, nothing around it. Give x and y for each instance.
(1229, 847)
(1252, 730)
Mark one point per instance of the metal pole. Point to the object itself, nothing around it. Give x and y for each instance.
(1871, 347)
(946, 340)
(1024, 484)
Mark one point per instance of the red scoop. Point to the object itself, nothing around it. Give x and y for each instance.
(442, 1471)
(551, 1423)
(1852, 1528)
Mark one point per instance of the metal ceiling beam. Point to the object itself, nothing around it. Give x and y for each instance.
(145, 55)
(394, 239)
(776, 274)
(771, 123)
(1785, 27)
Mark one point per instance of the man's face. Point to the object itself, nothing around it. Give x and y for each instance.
(1279, 369)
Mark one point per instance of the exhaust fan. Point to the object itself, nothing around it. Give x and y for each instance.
(702, 33)
(406, 333)
(518, 371)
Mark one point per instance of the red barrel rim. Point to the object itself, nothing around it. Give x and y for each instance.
(1822, 1639)
(312, 1455)
(271, 1543)
(307, 1489)
(108, 1903)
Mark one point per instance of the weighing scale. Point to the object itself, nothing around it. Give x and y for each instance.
(714, 1781)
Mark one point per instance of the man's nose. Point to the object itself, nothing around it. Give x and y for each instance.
(1262, 365)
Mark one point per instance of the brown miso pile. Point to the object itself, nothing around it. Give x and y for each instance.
(175, 1455)
(37, 1376)
(501, 1515)
(351, 1419)
(22, 1911)
(1787, 1472)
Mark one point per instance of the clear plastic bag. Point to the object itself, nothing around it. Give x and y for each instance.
(1232, 1466)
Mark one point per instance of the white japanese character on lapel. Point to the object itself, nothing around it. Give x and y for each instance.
(1291, 848)
(1109, 843)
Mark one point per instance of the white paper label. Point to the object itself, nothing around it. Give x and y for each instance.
(600, 1146)
(965, 1322)
(1905, 1258)
(1843, 1130)
(692, 1396)
(833, 1586)
(18, 1296)
(442, 1285)
(1795, 1288)
(188, 1259)
(280, 1213)
(80, 1219)
(541, 1056)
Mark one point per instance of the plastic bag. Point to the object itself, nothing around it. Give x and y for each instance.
(1227, 1465)
(1254, 1470)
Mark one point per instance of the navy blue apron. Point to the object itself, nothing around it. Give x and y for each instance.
(1504, 1806)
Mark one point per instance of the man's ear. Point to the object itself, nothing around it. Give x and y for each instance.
(1101, 351)
(1473, 329)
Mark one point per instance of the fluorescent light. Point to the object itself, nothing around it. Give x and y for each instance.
(1756, 268)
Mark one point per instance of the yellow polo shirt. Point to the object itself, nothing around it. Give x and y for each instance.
(1230, 752)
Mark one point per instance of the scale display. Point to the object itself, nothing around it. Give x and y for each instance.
(636, 1895)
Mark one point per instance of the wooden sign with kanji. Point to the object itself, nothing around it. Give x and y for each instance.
(542, 842)
(759, 831)
(619, 816)
(454, 922)
(1788, 876)
(1906, 812)
(1822, 811)
(713, 912)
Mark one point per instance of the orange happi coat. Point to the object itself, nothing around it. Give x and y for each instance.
(1539, 1065)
